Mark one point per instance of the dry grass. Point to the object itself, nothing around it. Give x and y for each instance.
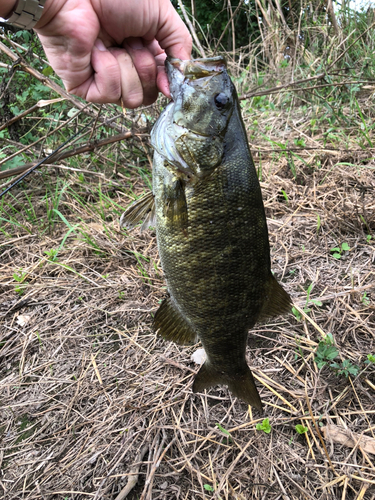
(95, 405)
(91, 397)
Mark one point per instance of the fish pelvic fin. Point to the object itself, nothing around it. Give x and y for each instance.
(277, 302)
(242, 385)
(142, 209)
(172, 325)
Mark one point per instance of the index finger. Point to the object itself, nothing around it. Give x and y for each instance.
(173, 35)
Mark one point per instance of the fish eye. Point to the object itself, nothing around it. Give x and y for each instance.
(220, 100)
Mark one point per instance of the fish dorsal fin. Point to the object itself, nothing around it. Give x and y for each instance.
(277, 302)
(172, 325)
(142, 209)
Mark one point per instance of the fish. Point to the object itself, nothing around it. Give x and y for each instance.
(206, 205)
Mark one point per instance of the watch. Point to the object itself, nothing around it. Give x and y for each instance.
(27, 13)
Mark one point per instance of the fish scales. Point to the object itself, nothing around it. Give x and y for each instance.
(211, 226)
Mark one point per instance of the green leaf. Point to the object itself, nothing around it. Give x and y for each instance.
(265, 426)
(48, 71)
(371, 358)
(208, 487)
(72, 112)
(337, 255)
(301, 429)
(317, 302)
(345, 247)
(331, 352)
(224, 431)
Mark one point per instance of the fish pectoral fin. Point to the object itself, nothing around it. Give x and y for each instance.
(174, 204)
(142, 209)
(172, 325)
(277, 302)
(241, 385)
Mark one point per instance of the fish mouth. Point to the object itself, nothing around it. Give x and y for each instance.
(196, 68)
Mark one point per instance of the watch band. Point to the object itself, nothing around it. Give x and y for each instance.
(27, 13)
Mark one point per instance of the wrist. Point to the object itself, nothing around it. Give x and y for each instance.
(7, 7)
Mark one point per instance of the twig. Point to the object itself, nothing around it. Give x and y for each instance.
(40, 139)
(285, 88)
(156, 464)
(72, 152)
(226, 27)
(351, 45)
(191, 28)
(134, 474)
(318, 431)
(287, 85)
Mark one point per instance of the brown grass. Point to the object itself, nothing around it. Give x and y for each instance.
(95, 405)
(86, 384)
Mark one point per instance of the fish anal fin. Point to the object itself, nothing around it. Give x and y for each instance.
(277, 302)
(141, 210)
(242, 384)
(172, 325)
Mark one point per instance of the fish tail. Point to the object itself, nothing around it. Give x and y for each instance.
(241, 385)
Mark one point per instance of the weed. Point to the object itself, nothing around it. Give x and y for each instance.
(224, 431)
(365, 300)
(285, 195)
(208, 487)
(370, 359)
(318, 303)
(39, 339)
(121, 295)
(51, 254)
(19, 276)
(264, 426)
(301, 429)
(337, 252)
(327, 352)
(345, 368)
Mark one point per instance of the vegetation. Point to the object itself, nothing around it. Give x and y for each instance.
(90, 395)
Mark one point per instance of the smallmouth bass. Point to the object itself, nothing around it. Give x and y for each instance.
(211, 227)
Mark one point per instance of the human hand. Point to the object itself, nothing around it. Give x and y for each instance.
(113, 50)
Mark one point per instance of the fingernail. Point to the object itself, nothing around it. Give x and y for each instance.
(100, 45)
(135, 43)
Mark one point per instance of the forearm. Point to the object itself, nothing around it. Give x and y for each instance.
(7, 7)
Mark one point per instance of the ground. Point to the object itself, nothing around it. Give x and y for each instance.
(95, 405)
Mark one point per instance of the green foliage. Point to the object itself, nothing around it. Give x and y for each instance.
(51, 254)
(208, 487)
(326, 351)
(20, 276)
(264, 426)
(326, 354)
(337, 252)
(225, 432)
(301, 429)
(306, 309)
(370, 359)
(345, 368)
(365, 300)
(212, 18)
